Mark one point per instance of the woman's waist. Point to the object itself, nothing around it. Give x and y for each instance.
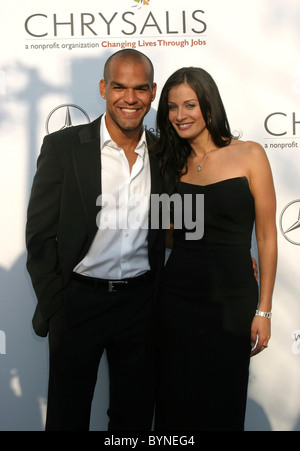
(221, 267)
(212, 248)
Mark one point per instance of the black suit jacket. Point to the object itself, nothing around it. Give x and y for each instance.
(62, 211)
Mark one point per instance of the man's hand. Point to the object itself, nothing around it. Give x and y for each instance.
(255, 268)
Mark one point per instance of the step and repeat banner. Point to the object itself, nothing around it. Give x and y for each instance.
(52, 57)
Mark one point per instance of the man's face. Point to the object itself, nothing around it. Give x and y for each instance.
(128, 93)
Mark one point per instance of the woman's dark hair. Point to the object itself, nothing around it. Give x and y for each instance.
(174, 151)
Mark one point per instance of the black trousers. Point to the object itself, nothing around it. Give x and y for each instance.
(91, 320)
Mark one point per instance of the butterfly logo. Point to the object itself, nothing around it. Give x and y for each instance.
(141, 3)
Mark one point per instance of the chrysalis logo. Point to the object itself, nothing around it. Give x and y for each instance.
(65, 116)
(2, 342)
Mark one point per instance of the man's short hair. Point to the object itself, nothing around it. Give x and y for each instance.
(130, 55)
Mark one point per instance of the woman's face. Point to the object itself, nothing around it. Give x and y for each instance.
(184, 112)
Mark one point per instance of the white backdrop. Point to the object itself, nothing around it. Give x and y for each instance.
(52, 54)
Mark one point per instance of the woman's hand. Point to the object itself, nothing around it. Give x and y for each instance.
(260, 334)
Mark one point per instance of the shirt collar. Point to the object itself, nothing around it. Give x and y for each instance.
(105, 139)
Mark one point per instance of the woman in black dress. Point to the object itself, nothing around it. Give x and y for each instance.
(212, 315)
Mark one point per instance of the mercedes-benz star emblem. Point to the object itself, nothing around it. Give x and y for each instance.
(290, 222)
(64, 116)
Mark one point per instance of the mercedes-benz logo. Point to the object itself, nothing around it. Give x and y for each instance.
(64, 116)
(290, 222)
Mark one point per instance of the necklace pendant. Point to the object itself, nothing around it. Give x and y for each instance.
(199, 168)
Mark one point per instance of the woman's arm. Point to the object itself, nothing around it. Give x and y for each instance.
(262, 188)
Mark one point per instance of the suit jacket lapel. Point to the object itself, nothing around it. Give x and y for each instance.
(87, 165)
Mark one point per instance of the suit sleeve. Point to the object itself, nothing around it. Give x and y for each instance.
(41, 231)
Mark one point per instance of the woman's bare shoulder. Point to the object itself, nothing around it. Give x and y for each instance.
(248, 148)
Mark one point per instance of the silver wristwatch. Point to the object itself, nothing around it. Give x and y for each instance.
(264, 314)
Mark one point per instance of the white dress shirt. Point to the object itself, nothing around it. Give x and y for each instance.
(120, 248)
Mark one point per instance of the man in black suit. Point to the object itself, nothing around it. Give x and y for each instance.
(95, 282)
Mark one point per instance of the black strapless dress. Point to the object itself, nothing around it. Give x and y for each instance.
(208, 299)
